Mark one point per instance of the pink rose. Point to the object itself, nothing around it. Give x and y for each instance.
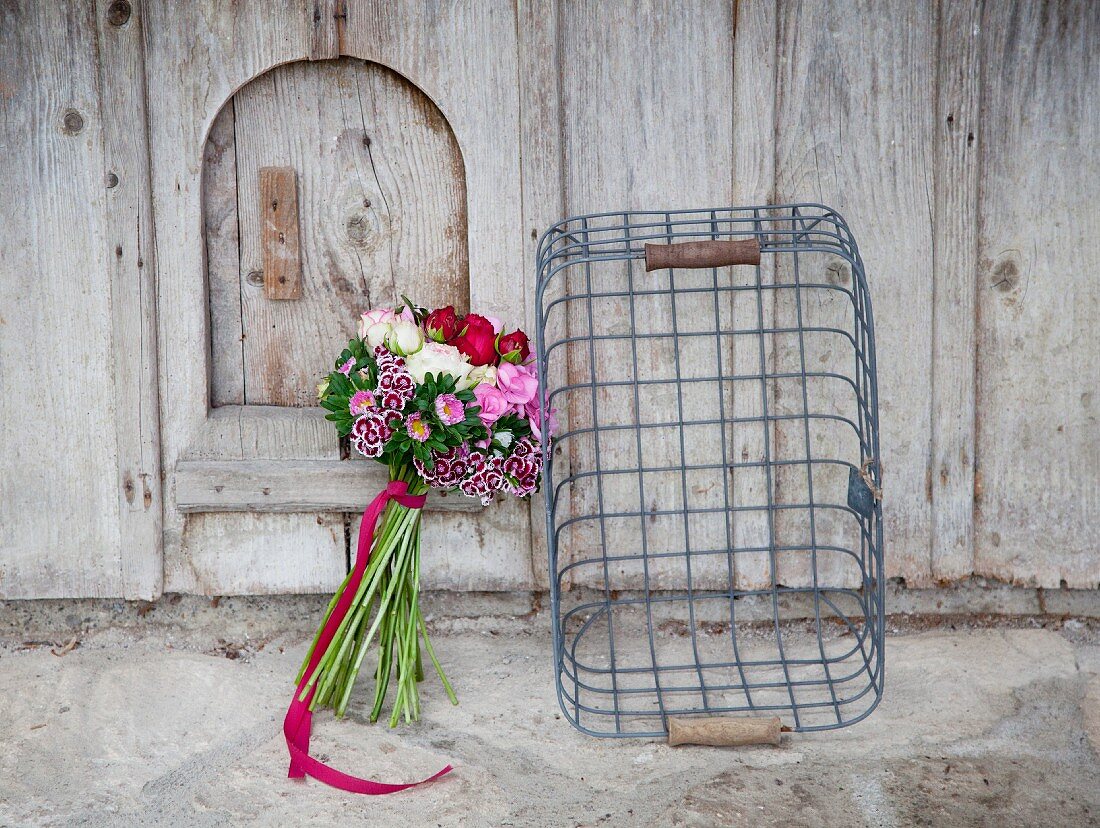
(532, 412)
(492, 402)
(517, 383)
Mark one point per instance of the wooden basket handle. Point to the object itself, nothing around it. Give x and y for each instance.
(725, 731)
(702, 254)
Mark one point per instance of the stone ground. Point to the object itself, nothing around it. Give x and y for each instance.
(160, 725)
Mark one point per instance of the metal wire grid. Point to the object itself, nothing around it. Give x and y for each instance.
(725, 660)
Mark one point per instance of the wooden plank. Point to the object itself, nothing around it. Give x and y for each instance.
(464, 57)
(131, 269)
(754, 84)
(289, 486)
(634, 137)
(61, 482)
(224, 280)
(541, 159)
(326, 34)
(282, 259)
(954, 269)
(854, 130)
(197, 57)
(1038, 514)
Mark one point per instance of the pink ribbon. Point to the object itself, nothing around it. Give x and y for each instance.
(298, 720)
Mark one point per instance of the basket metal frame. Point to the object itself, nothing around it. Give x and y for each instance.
(786, 231)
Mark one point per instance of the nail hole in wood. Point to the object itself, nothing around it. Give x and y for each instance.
(72, 122)
(112, 181)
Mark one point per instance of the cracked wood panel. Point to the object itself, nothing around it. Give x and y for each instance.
(55, 312)
(857, 134)
(1038, 508)
(382, 211)
(954, 270)
(636, 137)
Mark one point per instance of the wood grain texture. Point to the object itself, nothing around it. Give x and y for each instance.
(755, 63)
(954, 269)
(279, 238)
(857, 134)
(196, 58)
(618, 102)
(129, 228)
(290, 486)
(543, 203)
(1038, 398)
(383, 213)
(62, 379)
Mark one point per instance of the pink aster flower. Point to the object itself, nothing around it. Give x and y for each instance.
(345, 369)
(450, 409)
(360, 402)
(417, 428)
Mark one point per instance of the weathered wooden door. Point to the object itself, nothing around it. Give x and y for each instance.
(379, 168)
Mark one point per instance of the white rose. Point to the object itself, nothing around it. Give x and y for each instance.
(436, 358)
(405, 338)
(483, 375)
(376, 334)
(373, 317)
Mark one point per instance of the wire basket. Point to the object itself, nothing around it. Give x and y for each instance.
(716, 475)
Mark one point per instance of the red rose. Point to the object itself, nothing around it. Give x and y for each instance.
(442, 324)
(477, 341)
(514, 347)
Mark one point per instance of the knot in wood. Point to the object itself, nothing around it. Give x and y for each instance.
(118, 13)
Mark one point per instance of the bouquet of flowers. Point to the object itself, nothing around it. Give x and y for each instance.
(446, 402)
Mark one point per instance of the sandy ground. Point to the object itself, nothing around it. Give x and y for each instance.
(977, 727)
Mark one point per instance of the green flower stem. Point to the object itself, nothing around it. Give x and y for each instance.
(383, 606)
(321, 629)
(360, 607)
(384, 613)
(379, 556)
(389, 522)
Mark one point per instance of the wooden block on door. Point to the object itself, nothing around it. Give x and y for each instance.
(282, 259)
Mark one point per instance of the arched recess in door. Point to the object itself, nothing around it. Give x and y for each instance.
(381, 191)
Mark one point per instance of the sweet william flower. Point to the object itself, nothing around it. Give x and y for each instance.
(516, 382)
(345, 369)
(492, 402)
(478, 340)
(514, 347)
(435, 358)
(404, 338)
(442, 324)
